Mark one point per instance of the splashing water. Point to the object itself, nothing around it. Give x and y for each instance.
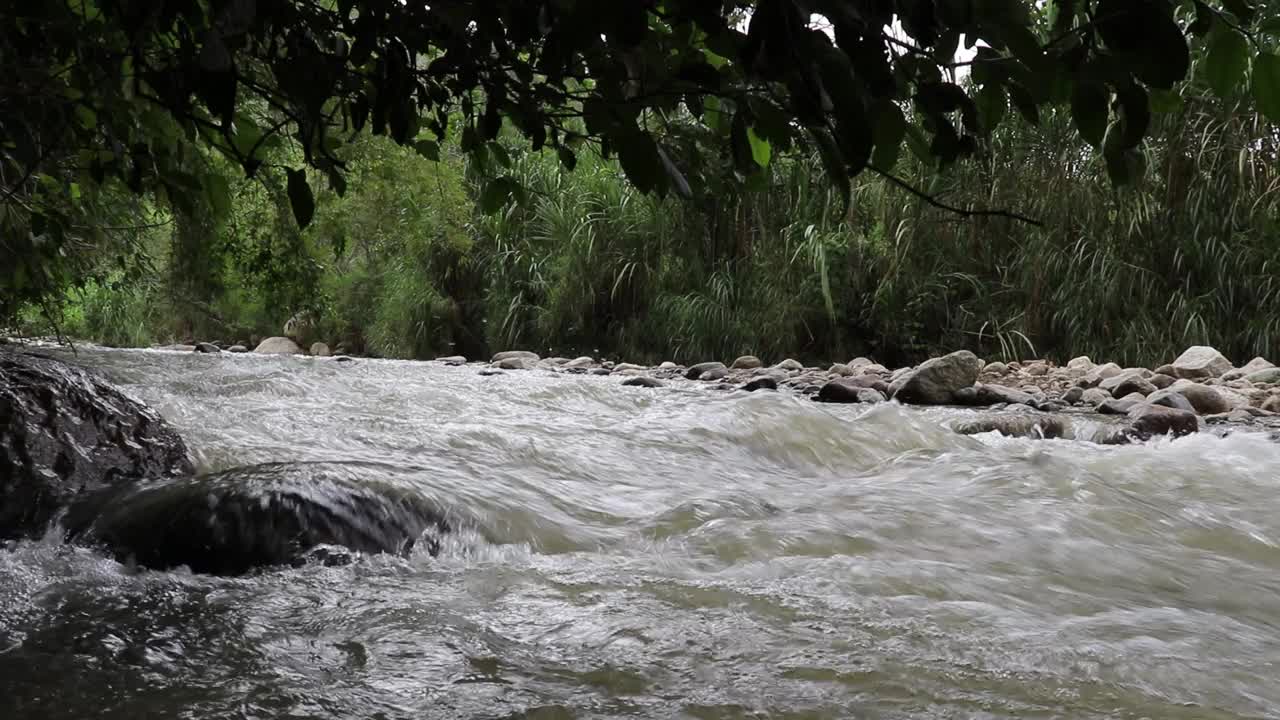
(671, 553)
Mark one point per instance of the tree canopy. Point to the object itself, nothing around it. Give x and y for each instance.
(137, 94)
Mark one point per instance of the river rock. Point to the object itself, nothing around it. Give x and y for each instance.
(1119, 406)
(1094, 396)
(1036, 368)
(1161, 381)
(747, 362)
(1206, 400)
(516, 362)
(1257, 364)
(580, 362)
(319, 349)
(935, 381)
(668, 365)
(259, 516)
(848, 390)
(1094, 377)
(1147, 421)
(66, 433)
(1200, 361)
(761, 383)
(1082, 363)
(532, 357)
(790, 365)
(208, 348)
(873, 368)
(180, 347)
(695, 371)
(490, 372)
(995, 368)
(1016, 425)
(600, 371)
(238, 349)
(840, 370)
(628, 368)
(1171, 399)
(278, 346)
(1265, 376)
(1129, 384)
(1073, 395)
(1271, 404)
(714, 373)
(989, 394)
(452, 360)
(643, 381)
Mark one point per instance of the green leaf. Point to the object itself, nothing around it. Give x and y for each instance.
(498, 192)
(1266, 85)
(1089, 111)
(761, 151)
(301, 199)
(1227, 60)
(1241, 9)
(567, 158)
(993, 105)
(1165, 101)
(429, 149)
(887, 134)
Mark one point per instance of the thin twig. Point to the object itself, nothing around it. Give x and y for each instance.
(935, 202)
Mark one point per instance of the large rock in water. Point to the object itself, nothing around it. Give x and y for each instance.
(1201, 361)
(65, 433)
(259, 516)
(936, 381)
(278, 346)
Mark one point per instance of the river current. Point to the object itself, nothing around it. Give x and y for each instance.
(672, 553)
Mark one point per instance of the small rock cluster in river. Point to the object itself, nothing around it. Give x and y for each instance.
(1199, 387)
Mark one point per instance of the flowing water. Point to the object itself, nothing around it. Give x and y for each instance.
(674, 553)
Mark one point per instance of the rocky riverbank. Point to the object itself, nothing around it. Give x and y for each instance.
(1198, 390)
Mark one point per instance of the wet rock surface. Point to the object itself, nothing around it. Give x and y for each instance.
(64, 433)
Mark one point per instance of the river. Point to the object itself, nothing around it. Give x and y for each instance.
(671, 553)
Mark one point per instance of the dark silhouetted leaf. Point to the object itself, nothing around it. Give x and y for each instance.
(1089, 111)
(638, 155)
(1266, 85)
(301, 199)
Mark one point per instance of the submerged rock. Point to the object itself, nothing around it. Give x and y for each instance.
(319, 349)
(452, 360)
(237, 349)
(1025, 425)
(278, 346)
(65, 432)
(852, 390)
(643, 381)
(254, 517)
(515, 362)
(935, 381)
(208, 348)
(986, 394)
(1147, 421)
(761, 383)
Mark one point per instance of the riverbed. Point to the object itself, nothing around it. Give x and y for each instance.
(678, 552)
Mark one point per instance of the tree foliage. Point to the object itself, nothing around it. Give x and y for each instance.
(140, 94)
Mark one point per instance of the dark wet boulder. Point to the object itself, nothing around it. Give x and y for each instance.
(851, 390)
(1147, 421)
(1025, 425)
(761, 383)
(207, 347)
(260, 516)
(66, 433)
(643, 381)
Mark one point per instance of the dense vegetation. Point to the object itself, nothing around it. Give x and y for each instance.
(711, 210)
